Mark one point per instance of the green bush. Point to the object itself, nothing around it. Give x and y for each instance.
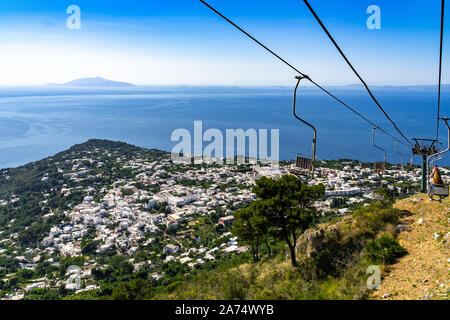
(137, 289)
(370, 220)
(385, 248)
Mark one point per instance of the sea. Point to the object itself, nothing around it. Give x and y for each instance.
(37, 122)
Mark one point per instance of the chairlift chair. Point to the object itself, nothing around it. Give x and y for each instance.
(440, 191)
(399, 166)
(379, 167)
(437, 158)
(303, 161)
(410, 164)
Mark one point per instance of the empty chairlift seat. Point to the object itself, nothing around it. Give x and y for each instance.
(379, 166)
(303, 162)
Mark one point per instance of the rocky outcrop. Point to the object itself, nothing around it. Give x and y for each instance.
(315, 240)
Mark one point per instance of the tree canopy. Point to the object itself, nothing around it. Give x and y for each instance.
(284, 210)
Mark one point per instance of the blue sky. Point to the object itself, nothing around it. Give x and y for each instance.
(183, 42)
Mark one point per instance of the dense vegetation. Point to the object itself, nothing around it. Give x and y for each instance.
(333, 268)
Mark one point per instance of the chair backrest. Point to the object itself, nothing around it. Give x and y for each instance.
(303, 163)
(379, 166)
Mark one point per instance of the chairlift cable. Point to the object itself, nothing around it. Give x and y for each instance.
(440, 69)
(302, 74)
(354, 70)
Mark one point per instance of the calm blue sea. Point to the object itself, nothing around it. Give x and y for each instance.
(39, 122)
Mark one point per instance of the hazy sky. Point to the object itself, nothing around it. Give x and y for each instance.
(183, 42)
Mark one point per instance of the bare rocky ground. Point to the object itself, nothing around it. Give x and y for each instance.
(424, 273)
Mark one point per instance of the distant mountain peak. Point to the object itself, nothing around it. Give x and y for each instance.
(94, 82)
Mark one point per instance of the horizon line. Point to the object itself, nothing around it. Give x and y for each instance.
(137, 86)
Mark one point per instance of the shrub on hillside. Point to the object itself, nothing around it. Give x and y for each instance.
(385, 248)
(370, 220)
(137, 289)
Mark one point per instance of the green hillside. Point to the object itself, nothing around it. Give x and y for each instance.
(332, 261)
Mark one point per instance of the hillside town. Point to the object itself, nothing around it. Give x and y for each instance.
(173, 213)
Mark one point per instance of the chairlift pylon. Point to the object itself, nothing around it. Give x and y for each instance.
(403, 156)
(439, 190)
(420, 148)
(303, 161)
(379, 166)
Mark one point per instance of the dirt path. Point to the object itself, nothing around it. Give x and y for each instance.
(424, 273)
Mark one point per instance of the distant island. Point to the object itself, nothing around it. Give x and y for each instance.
(95, 82)
(99, 82)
